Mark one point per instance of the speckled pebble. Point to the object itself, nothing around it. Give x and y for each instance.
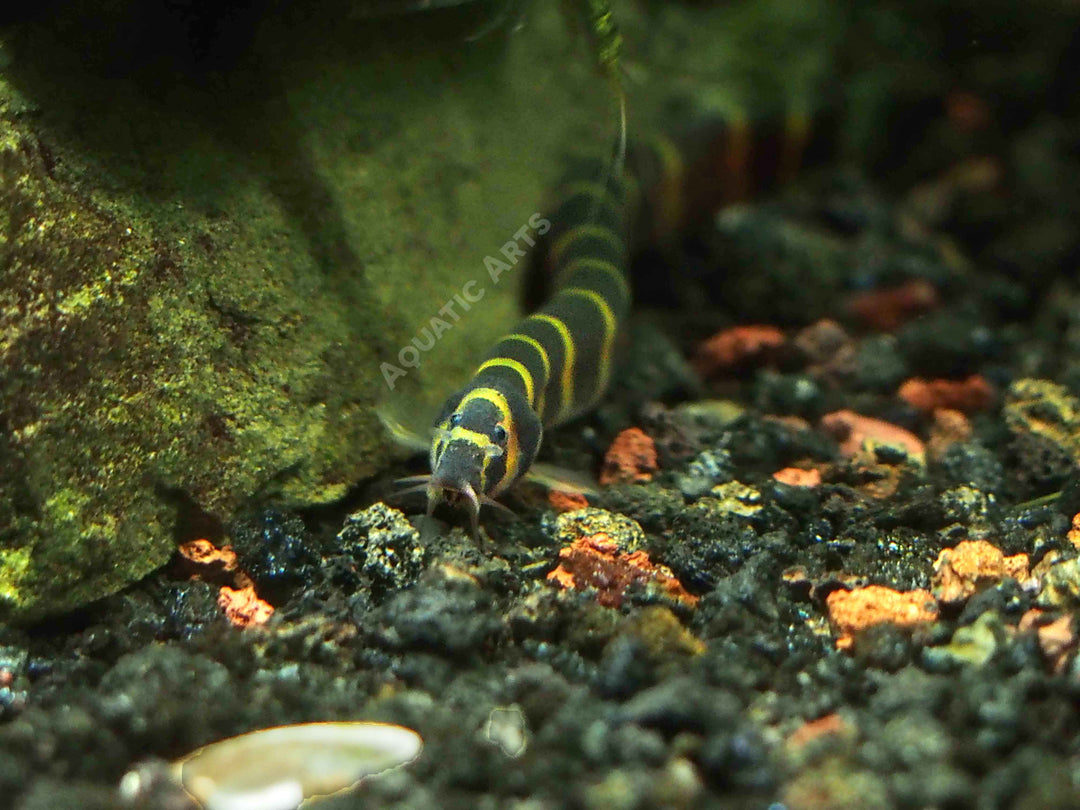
(385, 544)
(277, 552)
(571, 526)
(707, 469)
(1060, 585)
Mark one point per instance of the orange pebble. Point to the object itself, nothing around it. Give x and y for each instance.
(827, 726)
(242, 607)
(795, 477)
(236, 592)
(631, 459)
(972, 394)
(858, 609)
(973, 564)
(566, 501)
(1056, 638)
(595, 562)
(967, 111)
(950, 427)
(202, 553)
(852, 430)
(1073, 535)
(736, 346)
(887, 309)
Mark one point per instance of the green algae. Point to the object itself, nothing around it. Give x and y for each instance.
(623, 531)
(971, 645)
(13, 566)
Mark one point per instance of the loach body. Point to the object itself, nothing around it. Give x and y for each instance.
(557, 362)
(554, 365)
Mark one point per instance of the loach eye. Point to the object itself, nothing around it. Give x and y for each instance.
(499, 434)
(455, 419)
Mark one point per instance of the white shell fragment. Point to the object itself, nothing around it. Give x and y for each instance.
(278, 768)
(506, 728)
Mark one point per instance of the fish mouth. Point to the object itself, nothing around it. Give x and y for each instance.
(456, 495)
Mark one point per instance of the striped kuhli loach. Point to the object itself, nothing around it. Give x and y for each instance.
(552, 367)
(557, 362)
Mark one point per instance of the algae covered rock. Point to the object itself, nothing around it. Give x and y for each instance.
(1046, 409)
(1044, 420)
(203, 273)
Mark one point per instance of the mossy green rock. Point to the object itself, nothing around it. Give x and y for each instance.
(200, 275)
(1047, 410)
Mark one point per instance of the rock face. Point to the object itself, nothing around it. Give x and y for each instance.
(203, 271)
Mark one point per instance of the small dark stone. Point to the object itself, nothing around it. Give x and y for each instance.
(1005, 597)
(944, 344)
(890, 454)
(189, 608)
(1039, 464)
(447, 617)
(277, 552)
(788, 394)
(624, 669)
(737, 758)
(879, 365)
(385, 547)
(682, 704)
(706, 470)
(973, 465)
(11, 702)
(885, 647)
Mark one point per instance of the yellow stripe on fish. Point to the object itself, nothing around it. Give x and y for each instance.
(557, 362)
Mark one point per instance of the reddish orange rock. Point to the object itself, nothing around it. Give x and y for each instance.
(830, 352)
(974, 564)
(236, 594)
(596, 562)
(887, 309)
(972, 394)
(566, 501)
(1056, 638)
(790, 421)
(207, 559)
(631, 459)
(949, 427)
(828, 726)
(822, 340)
(735, 347)
(967, 111)
(855, 610)
(795, 477)
(853, 430)
(242, 607)
(1073, 534)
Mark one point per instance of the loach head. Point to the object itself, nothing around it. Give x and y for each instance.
(484, 440)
